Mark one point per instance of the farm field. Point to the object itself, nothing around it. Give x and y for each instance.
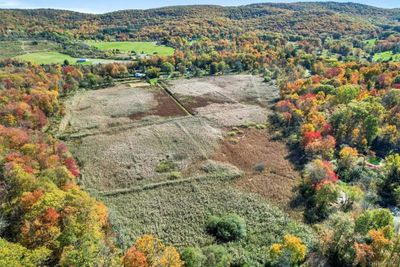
(10, 49)
(167, 170)
(52, 57)
(231, 100)
(41, 52)
(148, 48)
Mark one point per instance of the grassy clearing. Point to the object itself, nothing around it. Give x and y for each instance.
(10, 49)
(52, 57)
(386, 56)
(148, 48)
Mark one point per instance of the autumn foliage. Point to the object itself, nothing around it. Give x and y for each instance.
(150, 251)
(47, 211)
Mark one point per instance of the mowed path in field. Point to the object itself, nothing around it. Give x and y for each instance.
(134, 140)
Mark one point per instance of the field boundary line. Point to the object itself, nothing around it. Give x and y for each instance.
(122, 128)
(227, 175)
(176, 100)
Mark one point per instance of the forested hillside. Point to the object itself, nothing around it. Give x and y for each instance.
(298, 19)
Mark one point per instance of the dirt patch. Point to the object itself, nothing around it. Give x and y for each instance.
(235, 88)
(166, 107)
(192, 103)
(228, 101)
(268, 171)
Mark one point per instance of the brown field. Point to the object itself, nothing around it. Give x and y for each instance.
(267, 170)
(136, 144)
(230, 100)
(122, 134)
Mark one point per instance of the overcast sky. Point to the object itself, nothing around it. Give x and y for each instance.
(102, 6)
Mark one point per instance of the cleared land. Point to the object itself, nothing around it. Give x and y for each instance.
(264, 161)
(40, 52)
(163, 171)
(148, 48)
(232, 100)
(178, 213)
(10, 49)
(52, 57)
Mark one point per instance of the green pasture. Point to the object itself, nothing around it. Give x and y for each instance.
(52, 57)
(13, 48)
(148, 48)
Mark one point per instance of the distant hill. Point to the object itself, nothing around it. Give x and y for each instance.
(305, 19)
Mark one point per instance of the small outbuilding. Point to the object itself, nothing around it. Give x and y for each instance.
(82, 60)
(140, 75)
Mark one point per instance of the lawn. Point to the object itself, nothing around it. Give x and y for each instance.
(49, 57)
(52, 57)
(148, 48)
(386, 56)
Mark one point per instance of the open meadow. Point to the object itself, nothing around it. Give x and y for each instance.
(10, 49)
(147, 48)
(42, 52)
(164, 164)
(52, 57)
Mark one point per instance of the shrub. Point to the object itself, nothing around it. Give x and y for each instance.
(16, 255)
(227, 228)
(153, 72)
(390, 188)
(175, 176)
(292, 247)
(374, 220)
(167, 67)
(261, 126)
(216, 256)
(157, 253)
(259, 167)
(318, 172)
(165, 166)
(135, 258)
(337, 239)
(267, 78)
(193, 257)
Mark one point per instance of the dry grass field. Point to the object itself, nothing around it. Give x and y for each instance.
(230, 100)
(163, 168)
(264, 161)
